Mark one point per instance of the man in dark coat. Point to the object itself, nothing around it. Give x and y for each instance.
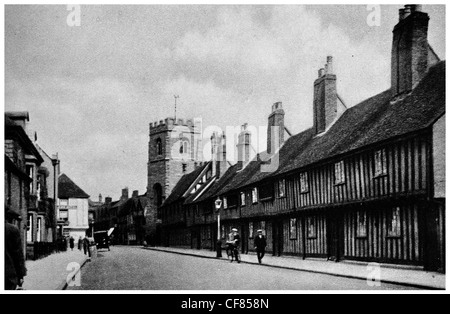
(260, 245)
(15, 268)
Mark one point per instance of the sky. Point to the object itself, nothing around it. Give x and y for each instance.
(92, 90)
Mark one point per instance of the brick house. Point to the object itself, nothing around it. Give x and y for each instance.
(364, 183)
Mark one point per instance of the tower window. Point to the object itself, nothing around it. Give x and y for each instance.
(159, 147)
(183, 147)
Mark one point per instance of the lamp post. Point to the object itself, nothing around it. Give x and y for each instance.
(218, 204)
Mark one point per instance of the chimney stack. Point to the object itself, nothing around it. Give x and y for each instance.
(409, 60)
(108, 200)
(124, 194)
(325, 98)
(218, 154)
(243, 147)
(100, 199)
(275, 129)
(135, 193)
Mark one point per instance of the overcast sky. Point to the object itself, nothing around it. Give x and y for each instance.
(92, 90)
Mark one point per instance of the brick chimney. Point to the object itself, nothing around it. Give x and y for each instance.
(275, 127)
(409, 60)
(218, 154)
(243, 147)
(100, 199)
(135, 193)
(108, 200)
(325, 98)
(124, 194)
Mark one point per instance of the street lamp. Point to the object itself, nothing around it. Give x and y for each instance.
(218, 204)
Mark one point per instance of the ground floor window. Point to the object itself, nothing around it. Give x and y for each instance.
(361, 224)
(30, 228)
(311, 227)
(293, 229)
(394, 223)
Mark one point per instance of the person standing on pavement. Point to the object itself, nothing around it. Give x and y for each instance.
(260, 245)
(80, 243)
(72, 243)
(15, 269)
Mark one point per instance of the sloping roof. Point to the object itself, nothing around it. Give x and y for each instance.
(68, 189)
(372, 121)
(183, 184)
(217, 186)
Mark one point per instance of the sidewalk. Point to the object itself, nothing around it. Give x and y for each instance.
(407, 276)
(50, 273)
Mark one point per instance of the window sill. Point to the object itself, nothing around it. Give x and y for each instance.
(380, 176)
(266, 199)
(339, 184)
(281, 197)
(394, 237)
(304, 192)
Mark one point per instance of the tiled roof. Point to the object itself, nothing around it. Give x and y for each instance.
(68, 189)
(183, 184)
(372, 121)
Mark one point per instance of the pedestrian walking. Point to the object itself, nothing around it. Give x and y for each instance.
(260, 245)
(72, 243)
(15, 269)
(86, 247)
(80, 243)
(236, 241)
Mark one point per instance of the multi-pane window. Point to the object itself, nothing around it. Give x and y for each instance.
(339, 172)
(394, 228)
(304, 182)
(380, 162)
(254, 195)
(242, 198)
(225, 202)
(293, 228)
(361, 224)
(282, 188)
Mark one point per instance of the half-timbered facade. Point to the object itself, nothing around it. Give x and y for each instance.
(364, 183)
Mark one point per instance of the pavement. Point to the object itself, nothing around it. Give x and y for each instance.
(408, 276)
(54, 271)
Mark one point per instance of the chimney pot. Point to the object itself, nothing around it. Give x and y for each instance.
(321, 72)
(329, 65)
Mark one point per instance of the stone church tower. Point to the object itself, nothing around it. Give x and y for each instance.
(174, 150)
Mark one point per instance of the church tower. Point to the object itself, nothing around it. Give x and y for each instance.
(174, 150)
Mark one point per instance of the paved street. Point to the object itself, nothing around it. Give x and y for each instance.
(133, 268)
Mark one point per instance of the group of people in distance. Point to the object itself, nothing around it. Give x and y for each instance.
(233, 242)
